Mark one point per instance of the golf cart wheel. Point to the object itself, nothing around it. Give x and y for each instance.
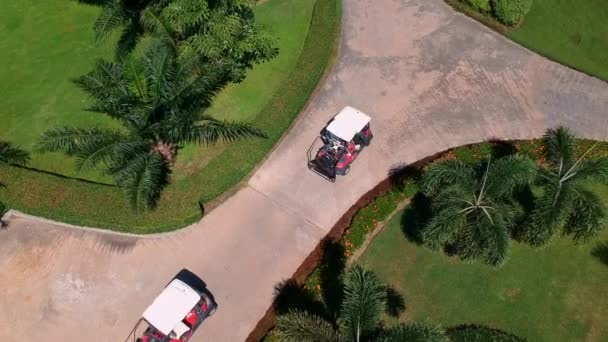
(345, 171)
(213, 310)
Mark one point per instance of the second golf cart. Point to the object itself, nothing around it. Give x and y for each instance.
(176, 313)
(344, 137)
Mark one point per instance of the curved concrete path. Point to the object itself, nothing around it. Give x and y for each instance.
(431, 79)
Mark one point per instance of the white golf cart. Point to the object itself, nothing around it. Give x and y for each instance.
(176, 313)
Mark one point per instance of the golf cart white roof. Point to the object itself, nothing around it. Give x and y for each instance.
(347, 123)
(171, 306)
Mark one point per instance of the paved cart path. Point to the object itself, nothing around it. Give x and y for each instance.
(430, 78)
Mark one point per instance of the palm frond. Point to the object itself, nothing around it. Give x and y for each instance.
(561, 147)
(299, 326)
(105, 81)
(211, 131)
(129, 38)
(446, 173)
(197, 92)
(110, 18)
(589, 216)
(102, 152)
(159, 63)
(143, 179)
(73, 140)
(591, 170)
(364, 302)
(415, 332)
(550, 214)
(510, 173)
(447, 221)
(12, 155)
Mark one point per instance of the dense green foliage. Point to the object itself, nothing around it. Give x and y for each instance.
(482, 6)
(568, 205)
(77, 202)
(511, 12)
(472, 209)
(221, 31)
(161, 103)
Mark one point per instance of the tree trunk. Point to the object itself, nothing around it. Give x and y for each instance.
(167, 150)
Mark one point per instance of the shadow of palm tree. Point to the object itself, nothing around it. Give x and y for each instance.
(600, 251)
(395, 304)
(415, 217)
(332, 267)
(290, 295)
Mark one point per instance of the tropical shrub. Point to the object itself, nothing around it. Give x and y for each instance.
(472, 208)
(511, 12)
(568, 204)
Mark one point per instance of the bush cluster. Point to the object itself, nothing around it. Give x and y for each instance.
(511, 12)
(508, 12)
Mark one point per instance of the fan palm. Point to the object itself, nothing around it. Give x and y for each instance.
(359, 320)
(472, 207)
(217, 31)
(161, 105)
(11, 155)
(568, 205)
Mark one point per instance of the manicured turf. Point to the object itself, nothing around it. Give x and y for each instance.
(571, 32)
(557, 293)
(43, 44)
(103, 206)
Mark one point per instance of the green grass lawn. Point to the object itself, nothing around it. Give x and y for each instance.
(557, 293)
(571, 32)
(47, 43)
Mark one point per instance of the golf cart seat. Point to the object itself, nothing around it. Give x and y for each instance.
(180, 329)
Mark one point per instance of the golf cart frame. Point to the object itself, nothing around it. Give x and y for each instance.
(344, 137)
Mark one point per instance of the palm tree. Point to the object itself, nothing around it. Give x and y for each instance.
(472, 207)
(10, 155)
(215, 30)
(161, 105)
(363, 302)
(567, 205)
